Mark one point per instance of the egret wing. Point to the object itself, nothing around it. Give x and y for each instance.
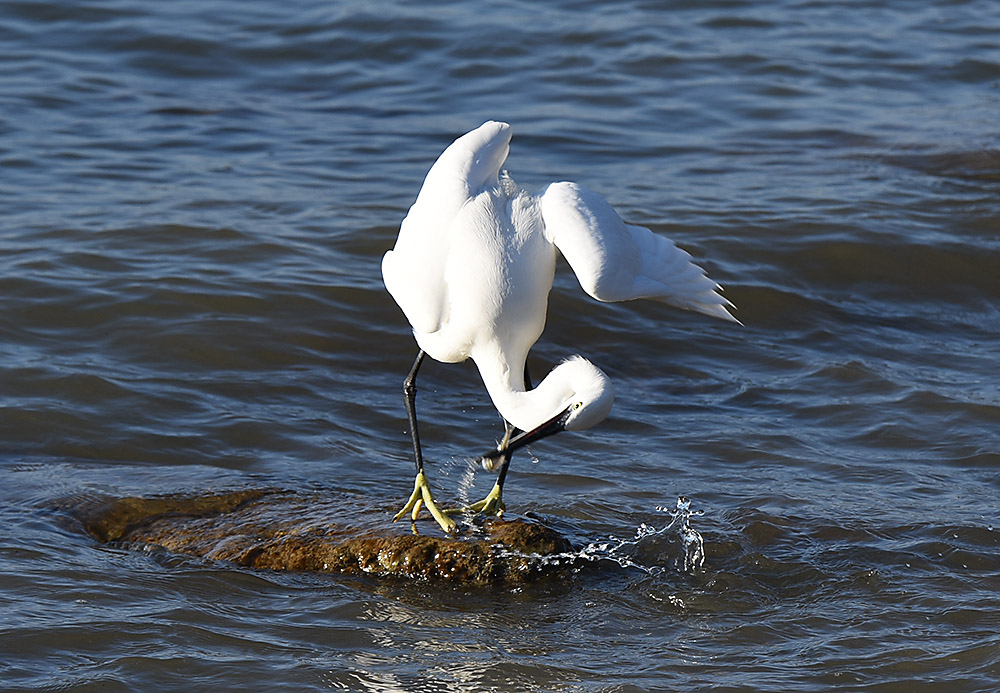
(463, 169)
(413, 271)
(615, 261)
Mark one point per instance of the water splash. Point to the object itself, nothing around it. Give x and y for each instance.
(694, 546)
(684, 550)
(676, 547)
(466, 482)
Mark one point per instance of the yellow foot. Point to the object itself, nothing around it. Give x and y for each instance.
(422, 496)
(491, 505)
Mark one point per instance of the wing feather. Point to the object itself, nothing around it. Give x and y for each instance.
(413, 271)
(615, 261)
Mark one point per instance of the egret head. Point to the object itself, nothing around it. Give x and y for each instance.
(589, 393)
(583, 396)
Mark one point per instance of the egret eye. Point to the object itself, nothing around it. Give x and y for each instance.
(577, 405)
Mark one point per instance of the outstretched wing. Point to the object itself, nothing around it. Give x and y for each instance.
(413, 271)
(615, 261)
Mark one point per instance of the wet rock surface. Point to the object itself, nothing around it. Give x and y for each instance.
(282, 530)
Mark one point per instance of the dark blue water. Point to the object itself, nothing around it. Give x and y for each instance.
(194, 202)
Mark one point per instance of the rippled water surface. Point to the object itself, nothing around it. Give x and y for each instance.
(194, 202)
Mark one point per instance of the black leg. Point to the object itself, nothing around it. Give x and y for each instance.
(410, 400)
(505, 458)
(421, 495)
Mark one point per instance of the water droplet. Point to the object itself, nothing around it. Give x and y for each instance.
(621, 551)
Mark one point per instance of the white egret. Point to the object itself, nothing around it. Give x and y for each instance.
(472, 269)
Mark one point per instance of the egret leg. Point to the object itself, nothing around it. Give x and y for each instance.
(421, 489)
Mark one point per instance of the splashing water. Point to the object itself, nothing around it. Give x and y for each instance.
(646, 547)
(645, 551)
(691, 541)
(466, 482)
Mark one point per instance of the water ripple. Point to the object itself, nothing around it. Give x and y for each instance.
(196, 196)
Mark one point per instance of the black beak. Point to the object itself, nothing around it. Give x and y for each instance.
(554, 425)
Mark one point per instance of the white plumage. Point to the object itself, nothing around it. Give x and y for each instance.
(474, 262)
(475, 258)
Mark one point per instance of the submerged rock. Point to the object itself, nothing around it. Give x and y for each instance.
(282, 530)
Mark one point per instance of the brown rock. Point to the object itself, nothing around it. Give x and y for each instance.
(281, 530)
